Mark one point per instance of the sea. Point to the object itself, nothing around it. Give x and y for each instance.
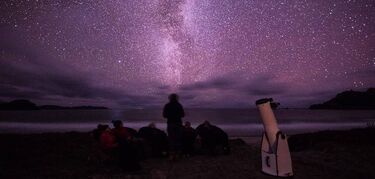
(236, 122)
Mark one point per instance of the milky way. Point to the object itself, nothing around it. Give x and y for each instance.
(214, 53)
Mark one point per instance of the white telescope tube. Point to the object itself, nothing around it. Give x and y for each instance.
(269, 120)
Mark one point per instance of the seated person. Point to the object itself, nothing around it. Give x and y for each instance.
(106, 138)
(188, 139)
(127, 148)
(121, 132)
(100, 128)
(132, 132)
(156, 140)
(212, 138)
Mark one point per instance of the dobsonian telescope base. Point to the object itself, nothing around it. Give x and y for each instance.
(276, 160)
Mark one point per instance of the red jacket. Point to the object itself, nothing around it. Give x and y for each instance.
(107, 140)
(121, 133)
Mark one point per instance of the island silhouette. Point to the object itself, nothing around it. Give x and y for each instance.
(349, 100)
(24, 104)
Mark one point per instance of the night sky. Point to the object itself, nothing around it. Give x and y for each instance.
(214, 53)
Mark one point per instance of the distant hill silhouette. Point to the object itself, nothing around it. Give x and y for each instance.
(349, 100)
(23, 104)
(20, 104)
(54, 107)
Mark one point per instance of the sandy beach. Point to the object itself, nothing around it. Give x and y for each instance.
(327, 154)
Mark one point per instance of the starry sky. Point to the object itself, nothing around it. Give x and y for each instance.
(213, 53)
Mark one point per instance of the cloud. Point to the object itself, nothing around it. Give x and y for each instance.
(257, 86)
(163, 87)
(234, 90)
(50, 81)
(14, 92)
(129, 100)
(25, 73)
(265, 85)
(224, 82)
(36, 78)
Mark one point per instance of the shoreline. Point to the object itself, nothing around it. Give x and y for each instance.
(233, 130)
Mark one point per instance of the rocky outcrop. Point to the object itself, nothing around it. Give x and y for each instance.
(350, 100)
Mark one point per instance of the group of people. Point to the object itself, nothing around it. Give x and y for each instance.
(120, 142)
(182, 140)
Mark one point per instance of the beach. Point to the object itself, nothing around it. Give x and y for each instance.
(326, 154)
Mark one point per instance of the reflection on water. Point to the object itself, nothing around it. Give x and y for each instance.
(237, 122)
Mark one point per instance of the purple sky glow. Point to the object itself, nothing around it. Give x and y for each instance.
(214, 53)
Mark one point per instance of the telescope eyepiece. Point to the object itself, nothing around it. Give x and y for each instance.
(264, 100)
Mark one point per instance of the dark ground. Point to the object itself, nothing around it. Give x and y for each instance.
(329, 154)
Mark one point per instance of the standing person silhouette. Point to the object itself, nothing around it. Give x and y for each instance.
(174, 111)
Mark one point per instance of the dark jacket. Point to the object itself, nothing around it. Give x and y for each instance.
(212, 135)
(173, 111)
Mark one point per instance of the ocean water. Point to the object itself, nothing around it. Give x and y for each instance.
(236, 122)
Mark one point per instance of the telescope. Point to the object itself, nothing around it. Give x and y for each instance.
(276, 160)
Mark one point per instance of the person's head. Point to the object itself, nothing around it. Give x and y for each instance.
(206, 124)
(152, 125)
(173, 97)
(187, 124)
(117, 123)
(100, 129)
